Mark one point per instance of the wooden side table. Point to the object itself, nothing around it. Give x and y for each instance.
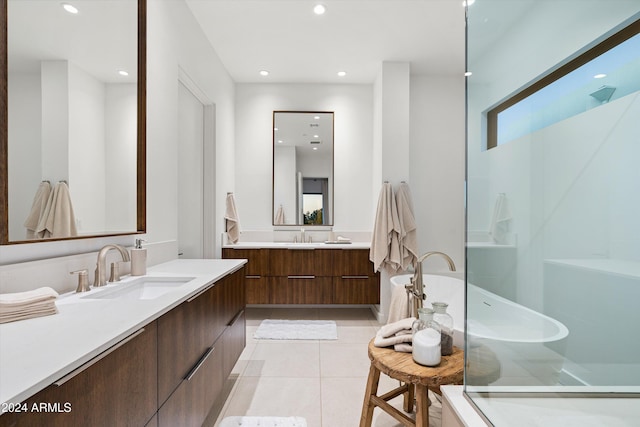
(417, 381)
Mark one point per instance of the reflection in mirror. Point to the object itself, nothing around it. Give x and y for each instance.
(302, 168)
(73, 152)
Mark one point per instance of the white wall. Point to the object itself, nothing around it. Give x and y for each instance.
(524, 169)
(25, 109)
(437, 165)
(353, 127)
(86, 149)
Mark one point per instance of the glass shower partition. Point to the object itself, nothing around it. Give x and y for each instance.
(553, 208)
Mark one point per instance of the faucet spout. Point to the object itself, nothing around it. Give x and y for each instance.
(101, 264)
(417, 283)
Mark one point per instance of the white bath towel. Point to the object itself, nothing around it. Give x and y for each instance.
(385, 248)
(58, 219)
(499, 226)
(279, 216)
(408, 238)
(37, 208)
(232, 222)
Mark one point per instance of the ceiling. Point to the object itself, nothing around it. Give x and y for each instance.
(295, 45)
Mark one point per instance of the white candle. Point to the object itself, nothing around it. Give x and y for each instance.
(426, 347)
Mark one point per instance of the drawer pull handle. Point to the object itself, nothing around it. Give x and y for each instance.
(301, 249)
(252, 277)
(201, 292)
(200, 363)
(235, 318)
(301, 277)
(98, 358)
(355, 277)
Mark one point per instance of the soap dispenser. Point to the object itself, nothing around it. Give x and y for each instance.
(138, 259)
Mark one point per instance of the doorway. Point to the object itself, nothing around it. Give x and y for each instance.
(196, 171)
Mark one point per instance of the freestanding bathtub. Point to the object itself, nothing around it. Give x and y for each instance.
(515, 335)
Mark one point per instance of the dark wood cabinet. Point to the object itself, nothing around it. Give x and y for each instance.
(116, 388)
(308, 276)
(197, 341)
(168, 373)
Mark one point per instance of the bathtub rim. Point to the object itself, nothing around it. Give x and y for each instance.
(563, 331)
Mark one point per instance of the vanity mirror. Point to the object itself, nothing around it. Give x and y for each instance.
(73, 111)
(302, 168)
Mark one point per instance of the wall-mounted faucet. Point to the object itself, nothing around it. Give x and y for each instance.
(101, 264)
(416, 287)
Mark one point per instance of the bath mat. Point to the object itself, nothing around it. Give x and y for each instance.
(263, 422)
(297, 330)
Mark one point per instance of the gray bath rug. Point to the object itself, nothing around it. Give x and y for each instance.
(297, 330)
(263, 422)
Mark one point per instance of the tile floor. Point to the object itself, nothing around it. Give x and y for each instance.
(322, 381)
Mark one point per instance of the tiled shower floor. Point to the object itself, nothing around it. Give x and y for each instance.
(322, 381)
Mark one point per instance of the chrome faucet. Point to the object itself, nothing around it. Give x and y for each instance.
(416, 285)
(101, 264)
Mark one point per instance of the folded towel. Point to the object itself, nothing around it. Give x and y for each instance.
(37, 208)
(58, 219)
(403, 348)
(385, 248)
(279, 216)
(380, 341)
(407, 238)
(499, 226)
(391, 329)
(232, 223)
(28, 297)
(399, 306)
(28, 304)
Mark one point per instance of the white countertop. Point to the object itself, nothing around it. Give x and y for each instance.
(289, 245)
(35, 353)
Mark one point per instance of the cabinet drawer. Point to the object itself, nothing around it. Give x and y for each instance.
(300, 262)
(184, 334)
(189, 405)
(300, 290)
(233, 342)
(356, 290)
(119, 389)
(257, 289)
(352, 262)
(256, 259)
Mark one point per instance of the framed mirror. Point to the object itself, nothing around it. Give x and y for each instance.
(72, 132)
(303, 168)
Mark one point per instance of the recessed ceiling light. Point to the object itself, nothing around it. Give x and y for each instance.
(316, 136)
(468, 2)
(264, 73)
(600, 76)
(70, 8)
(468, 73)
(316, 117)
(342, 73)
(315, 148)
(275, 129)
(279, 141)
(123, 73)
(319, 9)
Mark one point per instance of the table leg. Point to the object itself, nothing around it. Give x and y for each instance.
(409, 397)
(422, 406)
(372, 390)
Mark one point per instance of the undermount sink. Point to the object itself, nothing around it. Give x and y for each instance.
(144, 288)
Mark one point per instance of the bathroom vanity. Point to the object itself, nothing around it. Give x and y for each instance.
(314, 273)
(142, 360)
